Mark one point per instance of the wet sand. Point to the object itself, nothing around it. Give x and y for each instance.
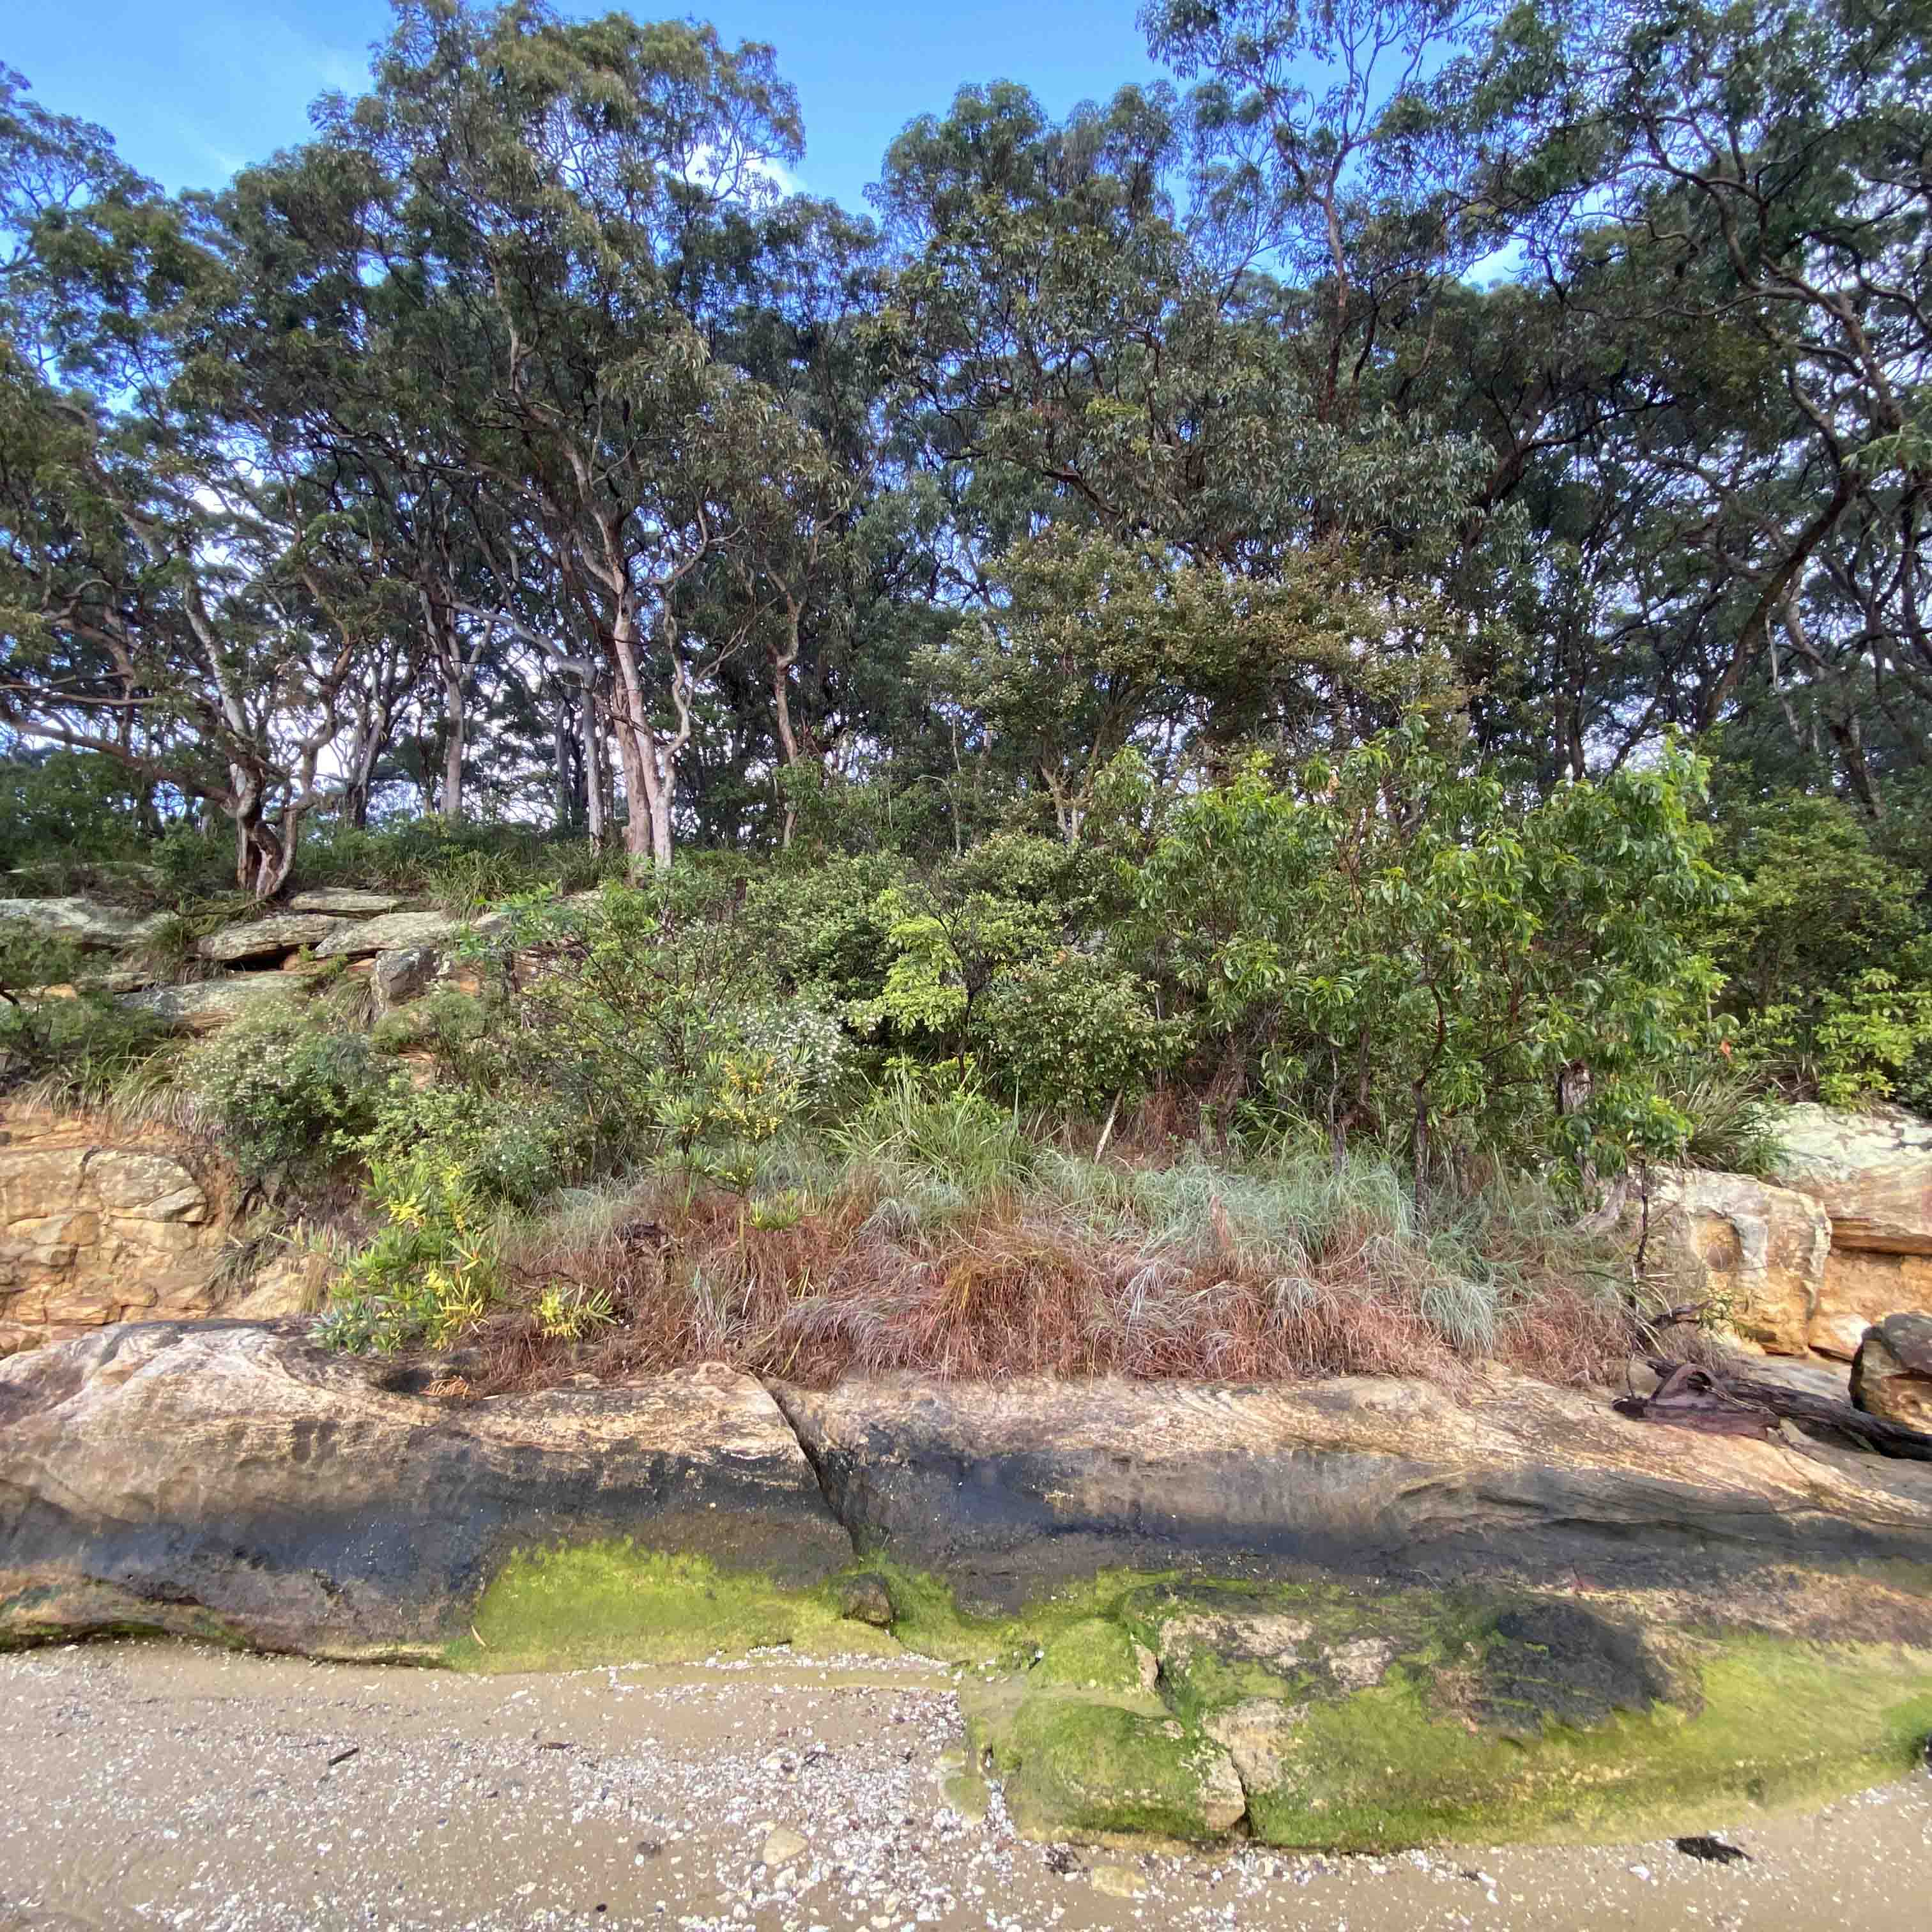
(156, 1785)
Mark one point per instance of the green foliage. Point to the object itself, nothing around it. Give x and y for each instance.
(463, 867)
(1072, 1032)
(63, 810)
(652, 1014)
(83, 1052)
(822, 925)
(429, 1275)
(1394, 947)
(286, 1096)
(1827, 954)
(1733, 1123)
(512, 1147)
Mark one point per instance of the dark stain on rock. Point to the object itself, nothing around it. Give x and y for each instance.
(1563, 1663)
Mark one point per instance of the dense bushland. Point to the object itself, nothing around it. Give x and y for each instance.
(1172, 751)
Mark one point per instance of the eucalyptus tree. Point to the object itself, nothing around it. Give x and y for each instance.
(1738, 194)
(550, 194)
(157, 604)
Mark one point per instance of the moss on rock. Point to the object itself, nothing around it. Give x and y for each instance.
(1324, 1718)
(615, 1602)
(1073, 1764)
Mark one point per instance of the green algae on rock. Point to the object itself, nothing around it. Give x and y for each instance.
(1312, 1715)
(1376, 1720)
(615, 1602)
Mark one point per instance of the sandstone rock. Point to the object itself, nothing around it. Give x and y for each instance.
(345, 902)
(291, 1284)
(1871, 1172)
(204, 1006)
(866, 1599)
(85, 921)
(390, 932)
(399, 977)
(1118, 1881)
(264, 938)
(1011, 1489)
(221, 1477)
(1892, 1376)
(91, 1234)
(1255, 1733)
(1758, 1249)
(1862, 1286)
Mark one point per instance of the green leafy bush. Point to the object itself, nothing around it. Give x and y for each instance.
(651, 1015)
(1826, 954)
(1072, 1032)
(286, 1096)
(82, 1052)
(1394, 948)
(514, 1147)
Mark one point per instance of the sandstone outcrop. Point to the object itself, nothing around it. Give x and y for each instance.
(1011, 1487)
(204, 1006)
(266, 938)
(92, 1233)
(1871, 1172)
(84, 921)
(345, 902)
(390, 932)
(1757, 1251)
(224, 1478)
(1861, 1287)
(1892, 1375)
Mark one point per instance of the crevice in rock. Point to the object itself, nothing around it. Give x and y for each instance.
(830, 1487)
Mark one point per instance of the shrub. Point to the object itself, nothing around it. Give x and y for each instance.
(513, 1147)
(83, 1052)
(429, 1275)
(1072, 1032)
(285, 1095)
(821, 926)
(1394, 947)
(651, 1015)
(1827, 958)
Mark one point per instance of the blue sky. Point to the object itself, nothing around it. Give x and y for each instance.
(193, 89)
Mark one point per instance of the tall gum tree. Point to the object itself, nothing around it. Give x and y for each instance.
(550, 190)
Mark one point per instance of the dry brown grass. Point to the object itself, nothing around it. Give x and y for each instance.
(1016, 1284)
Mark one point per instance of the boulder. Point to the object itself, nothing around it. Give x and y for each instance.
(85, 921)
(401, 976)
(1013, 1488)
(390, 932)
(91, 1234)
(1871, 1172)
(266, 938)
(1862, 1286)
(345, 902)
(206, 1005)
(223, 1478)
(1756, 1250)
(1892, 1376)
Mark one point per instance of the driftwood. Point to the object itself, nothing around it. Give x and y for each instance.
(1727, 1405)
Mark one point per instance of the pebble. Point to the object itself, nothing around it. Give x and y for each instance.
(783, 1847)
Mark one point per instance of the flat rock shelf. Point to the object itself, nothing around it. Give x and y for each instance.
(1356, 1614)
